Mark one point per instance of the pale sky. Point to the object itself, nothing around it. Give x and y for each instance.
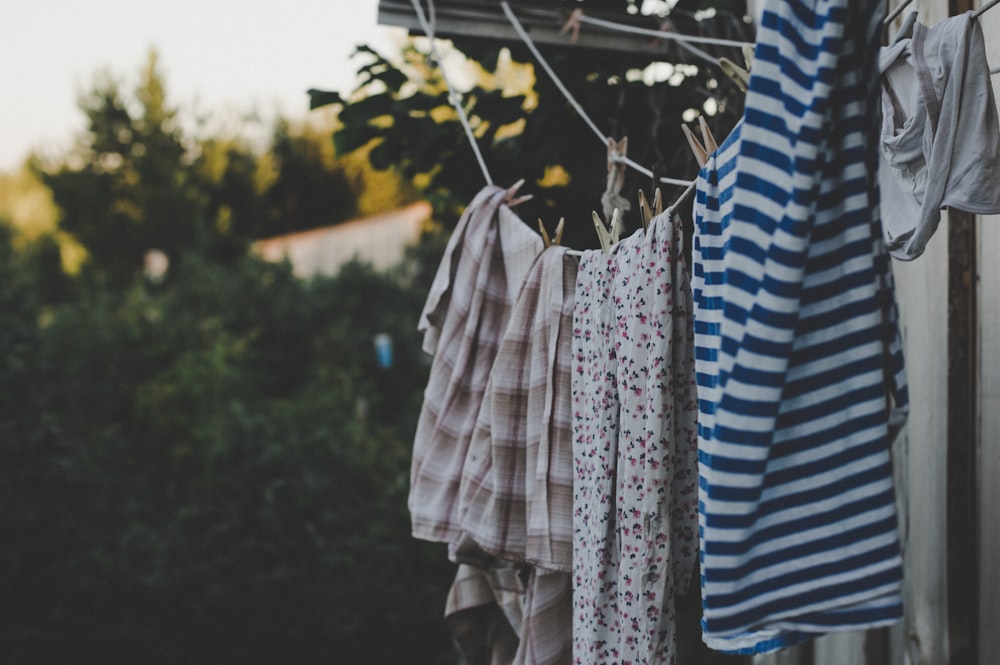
(240, 56)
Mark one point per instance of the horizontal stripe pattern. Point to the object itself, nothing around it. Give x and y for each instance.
(799, 364)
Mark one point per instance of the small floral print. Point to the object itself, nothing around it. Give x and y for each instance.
(635, 408)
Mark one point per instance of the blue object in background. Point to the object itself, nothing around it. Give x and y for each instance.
(383, 350)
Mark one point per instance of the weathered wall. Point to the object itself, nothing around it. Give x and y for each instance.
(380, 240)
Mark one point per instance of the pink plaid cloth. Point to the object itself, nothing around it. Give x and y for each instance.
(509, 614)
(482, 609)
(517, 488)
(466, 313)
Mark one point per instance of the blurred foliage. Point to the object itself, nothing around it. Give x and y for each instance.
(212, 470)
(26, 206)
(136, 182)
(524, 126)
(205, 466)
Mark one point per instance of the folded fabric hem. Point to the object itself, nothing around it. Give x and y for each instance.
(518, 558)
(434, 533)
(787, 633)
(973, 208)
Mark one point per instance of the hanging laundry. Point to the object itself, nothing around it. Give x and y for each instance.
(482, 608)
(516, 496)
(502, 613)
(466, 313)
(509, 499)
(634, 445)
(517, 488)
(940, 144)
(799, 364)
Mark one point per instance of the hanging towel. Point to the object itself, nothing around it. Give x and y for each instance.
(517, 486)
(635, 409)
(940, 142)
(465, 315)
(799, 365)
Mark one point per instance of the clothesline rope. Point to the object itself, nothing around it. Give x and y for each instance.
(453, 97)
(707, 57)
(548, 70)
(516, 24)
(897, 11)
(661, 34)
(681, 39)
(985, 8)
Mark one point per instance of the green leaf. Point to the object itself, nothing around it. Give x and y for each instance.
(489, 58)
(499, 110)
(320, 98)
(381, 157)
(393, 79)
(349, 139)
(363, 111)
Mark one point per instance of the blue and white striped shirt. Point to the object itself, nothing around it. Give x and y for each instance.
(800, 369)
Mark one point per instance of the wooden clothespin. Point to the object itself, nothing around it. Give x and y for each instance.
(572, 25)
(511, 199)
(711, 145)
(608, 235)
(644, 212)
(557, 238)
(612, 197)
(701, 152)
(737, 74)
(649, 212)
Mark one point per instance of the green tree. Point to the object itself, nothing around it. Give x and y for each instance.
(136, 182)
(303, 194)
(127, 188)
(212, 468)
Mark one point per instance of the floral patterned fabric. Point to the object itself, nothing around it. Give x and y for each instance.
(635, 447)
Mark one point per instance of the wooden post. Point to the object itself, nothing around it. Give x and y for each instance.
(963, 525)
(989, 439)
